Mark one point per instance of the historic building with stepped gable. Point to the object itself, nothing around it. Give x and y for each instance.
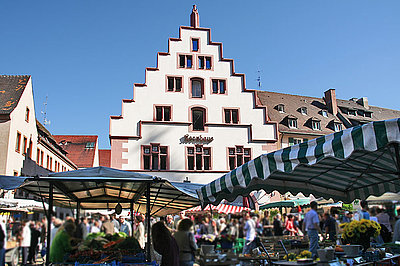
(193, 118)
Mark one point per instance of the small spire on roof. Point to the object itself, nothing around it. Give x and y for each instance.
(194, 18)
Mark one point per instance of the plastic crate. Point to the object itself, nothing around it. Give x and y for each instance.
(136, 258)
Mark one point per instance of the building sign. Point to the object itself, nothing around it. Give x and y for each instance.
(196, 139)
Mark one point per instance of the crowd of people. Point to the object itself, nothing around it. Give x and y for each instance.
(177, 237)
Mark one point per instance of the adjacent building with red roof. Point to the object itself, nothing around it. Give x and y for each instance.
(81, 149)
(105, 158)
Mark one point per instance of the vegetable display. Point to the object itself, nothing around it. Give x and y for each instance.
(99, 247)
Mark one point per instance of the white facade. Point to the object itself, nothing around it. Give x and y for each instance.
(21, 124)
(138, 126)
(12, 157)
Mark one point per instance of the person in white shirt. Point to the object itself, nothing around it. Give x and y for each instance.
(250, 231)
(26, 241)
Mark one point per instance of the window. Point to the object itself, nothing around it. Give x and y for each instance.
(295, 141)
(204, 62)
(280, 108)
(48, 162)
(292, 122)
(195, 45)
(27, 114)
(338, 127)
(174, 84)
(90, 145)
(199, 158)
(197, 88)
(324, 113)
(24, 146)
(352, 112)
(237, 156)
(30, 148)
(218, 86)
(303, 110)
(55, 166)
(185, 61)
(316, 125)
(38, 157)
(198, 119)
(368, 114)
(155, 157)
(231, 116)
(41, 158)
(50, 167)
(18, 142)
(163, 113)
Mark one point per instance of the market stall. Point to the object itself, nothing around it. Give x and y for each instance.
(220, 208)
(286, 204)
(107, 188)
(351, 164)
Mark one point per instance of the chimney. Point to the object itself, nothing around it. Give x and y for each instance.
(364, 102)
(194, 18)
(330, 100)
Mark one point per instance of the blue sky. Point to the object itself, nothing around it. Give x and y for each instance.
(86, 55)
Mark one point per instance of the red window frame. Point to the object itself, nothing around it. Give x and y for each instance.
(173, 84)
(155, 157)
(198, 158)
(237, 156)
(18, 143)
(231, 116)
(160, 113)
(218, 86)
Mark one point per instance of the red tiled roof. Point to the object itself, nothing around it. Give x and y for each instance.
(11, 89)
(105, 158)
(81, 149)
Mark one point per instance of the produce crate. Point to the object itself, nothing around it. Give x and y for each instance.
(153, 263)
(113, 263)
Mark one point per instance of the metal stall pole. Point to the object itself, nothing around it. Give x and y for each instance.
(78, 210)
(148, 255)
(49, 214)
(132, 218)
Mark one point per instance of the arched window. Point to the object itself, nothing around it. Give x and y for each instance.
(197, 88)
(198, 118)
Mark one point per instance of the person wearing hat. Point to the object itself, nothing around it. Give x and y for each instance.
(125, 227)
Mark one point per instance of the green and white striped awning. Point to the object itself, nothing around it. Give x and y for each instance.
(346, 165)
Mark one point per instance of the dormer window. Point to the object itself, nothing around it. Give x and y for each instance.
(324, 113)
(90, 145)
(303, 110)
(316, 125)
(368, 114)
(352, 112)
(280, 108)
(338, 127)
(292, 122)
